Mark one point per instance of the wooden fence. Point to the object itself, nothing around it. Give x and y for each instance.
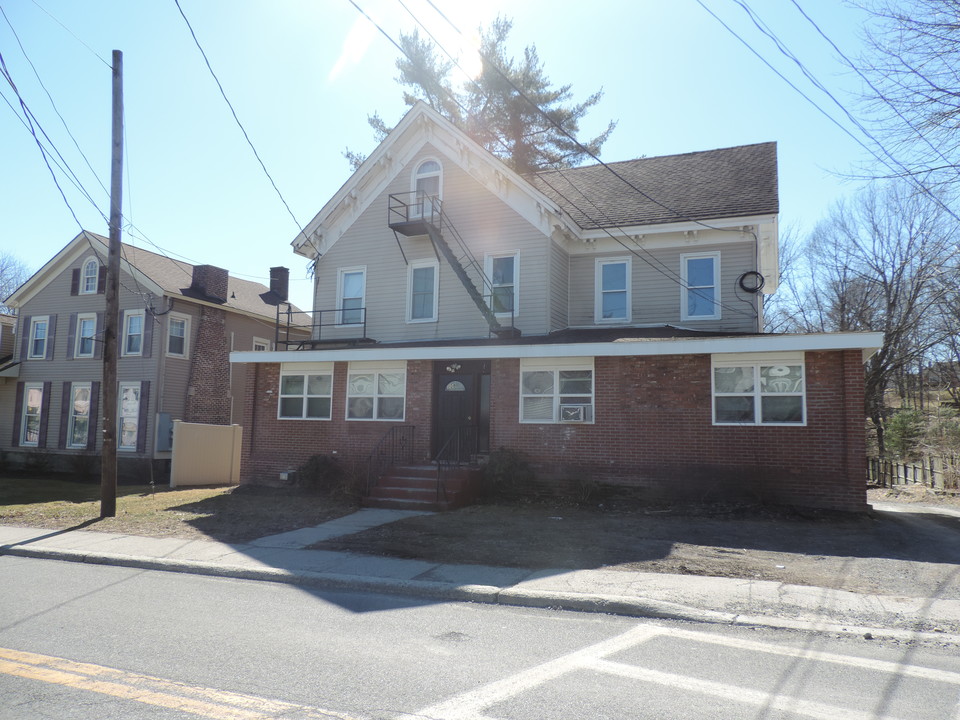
(937, 472)
(205, 454)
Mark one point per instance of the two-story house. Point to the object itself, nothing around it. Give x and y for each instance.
(606, 321)
(178, 323)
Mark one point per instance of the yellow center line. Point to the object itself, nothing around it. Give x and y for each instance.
(193, 699)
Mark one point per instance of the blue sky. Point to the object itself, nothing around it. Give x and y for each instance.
(303, 75)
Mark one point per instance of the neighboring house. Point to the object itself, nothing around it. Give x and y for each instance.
(604, 321)
(178, 323)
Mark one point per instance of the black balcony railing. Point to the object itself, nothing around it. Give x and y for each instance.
(298, 330)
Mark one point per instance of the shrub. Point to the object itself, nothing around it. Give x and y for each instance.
(508, 472)
(323, 474)
(904, 432)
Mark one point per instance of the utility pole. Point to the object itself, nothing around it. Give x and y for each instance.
(108, 464)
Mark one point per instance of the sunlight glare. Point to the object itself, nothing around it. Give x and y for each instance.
(355, 46)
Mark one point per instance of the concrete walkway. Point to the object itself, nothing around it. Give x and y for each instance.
(282, 558)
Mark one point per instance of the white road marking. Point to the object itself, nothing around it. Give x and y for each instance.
(470, 705)
(748, 696)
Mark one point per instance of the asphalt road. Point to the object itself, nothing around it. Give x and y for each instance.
(83, 641)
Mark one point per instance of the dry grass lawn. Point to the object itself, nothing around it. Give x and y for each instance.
(225, 514)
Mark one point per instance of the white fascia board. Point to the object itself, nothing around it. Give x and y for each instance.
(418, 127)
(866, 342)
(704, 228)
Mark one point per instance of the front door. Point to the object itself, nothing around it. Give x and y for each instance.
(461, 424)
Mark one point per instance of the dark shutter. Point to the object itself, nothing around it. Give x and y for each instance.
(72, 336)
(98, 338)
(93, 424)
(51, 335)
(17, 414)
(102, 280)
(144, 414)
(121, 333)
(65, 404)
(148, 321)
(24, 336)
(75, 282)
(44, 414)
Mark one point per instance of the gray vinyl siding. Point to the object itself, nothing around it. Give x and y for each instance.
(656, 288)
(486, 225)
(55, 300)
(559, 287)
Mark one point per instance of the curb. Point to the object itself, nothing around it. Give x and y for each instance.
(485, 594)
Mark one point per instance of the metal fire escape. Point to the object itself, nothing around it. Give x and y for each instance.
(412, 214)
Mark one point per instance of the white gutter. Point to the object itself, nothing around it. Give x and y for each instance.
(868, 342)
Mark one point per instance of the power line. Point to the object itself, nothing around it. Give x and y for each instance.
(237, 119)
(92, 51)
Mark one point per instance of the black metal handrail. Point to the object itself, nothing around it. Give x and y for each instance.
(419, 208)
(458, 450)
(293, 325)
(394, 447)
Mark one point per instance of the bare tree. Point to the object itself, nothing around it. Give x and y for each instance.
(881, 262)
(13, 273)
(913, 88)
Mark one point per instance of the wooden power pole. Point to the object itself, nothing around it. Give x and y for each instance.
(108, 466)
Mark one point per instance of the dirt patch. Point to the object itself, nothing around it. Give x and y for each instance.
(887, 553)
(234, 514)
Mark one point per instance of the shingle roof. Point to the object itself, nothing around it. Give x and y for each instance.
(175, 276)
(711, 184)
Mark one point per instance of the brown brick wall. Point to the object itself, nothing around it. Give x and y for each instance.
(271, 446)
(208, 391)
(654, 431)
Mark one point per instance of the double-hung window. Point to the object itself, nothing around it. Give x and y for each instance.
(178, 335)
(504, 272)
(762, 389)
(89, 276)
(86, 335)
(128, 419)
(39, 328)
(32, 410)
(376, 391)
(133, 333)
(78, 414)
(350, 293)
(422, 300)
(427, 185)
(556, 390)
(306, 391)
(700, 286)
(612, 300)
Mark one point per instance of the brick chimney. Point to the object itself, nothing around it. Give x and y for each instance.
(280, 282)
(210, 281)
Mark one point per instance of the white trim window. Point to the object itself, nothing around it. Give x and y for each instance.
(133, 333)
(427, 186)
(504, 274)
(78, 428)
(376, 391)
(128, 419)
(556, 390)
(89, 276)
(261, 345)
(612, 301)
(178, 335)
(306, 391)
(423, 281)
(32, 411)
(759, 389)
(39, 327)
(86, 335)
(351, 290)
(700, 286)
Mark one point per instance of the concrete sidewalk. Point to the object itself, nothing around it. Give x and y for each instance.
(282, 558)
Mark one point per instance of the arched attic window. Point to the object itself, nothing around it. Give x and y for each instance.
(427, 187)
(88, 276)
